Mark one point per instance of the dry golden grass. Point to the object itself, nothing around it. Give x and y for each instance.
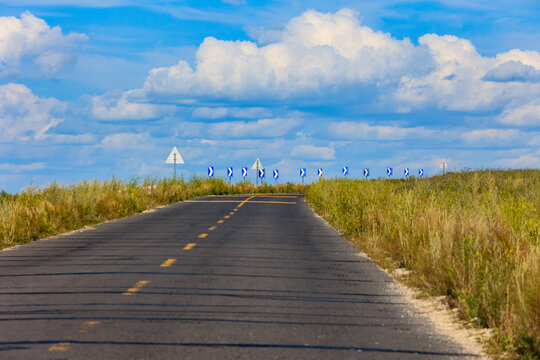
(472, 236)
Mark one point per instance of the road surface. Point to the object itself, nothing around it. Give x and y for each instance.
(234, 277)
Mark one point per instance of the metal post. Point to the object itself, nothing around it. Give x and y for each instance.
(175, 167)
(257, 179)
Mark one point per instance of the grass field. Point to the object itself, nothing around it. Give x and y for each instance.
(40, 212)
(472, 236)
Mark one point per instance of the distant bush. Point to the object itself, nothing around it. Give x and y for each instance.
(39, 212)
(473, 236)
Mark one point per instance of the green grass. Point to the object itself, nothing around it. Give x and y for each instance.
(472, 236)
(40, 212)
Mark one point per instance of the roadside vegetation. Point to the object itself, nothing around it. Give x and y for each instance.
(472, 236)
(40, 212)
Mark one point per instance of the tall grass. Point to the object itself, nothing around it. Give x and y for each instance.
(39, 212)
(472, 236)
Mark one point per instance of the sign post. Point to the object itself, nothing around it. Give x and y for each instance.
(276, 175)
(444, 166)
(320, 173)
(174, 158)
(345, 170)
(257, 165)
(389, 171)
(244, 173)
(302, 174)
(230, 173)
(366, 173)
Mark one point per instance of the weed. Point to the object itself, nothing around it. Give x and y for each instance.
(473, 236)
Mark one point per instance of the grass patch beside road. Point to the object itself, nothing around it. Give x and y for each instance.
(40, 212)
(472, 236)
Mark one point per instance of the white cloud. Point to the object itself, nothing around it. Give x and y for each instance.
(71, 139)
(313, 152)
(323, 54)
(492, 136)
(25, 116)
(317, 52)
(117, 106)
(458, 82)
(513, 71)
(210, 112)
(525, 115)
(18, 168)
(208, 142)
(359, 130)
(126, 141)
(31, 37)
(233, 112)
(528, 161)
(531, 58)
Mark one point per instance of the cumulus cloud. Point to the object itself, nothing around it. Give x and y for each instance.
(317, 52)
(457, 83)
(520, 116)
(117, 106)
(513, 71)
(30, 37)
(25, 116)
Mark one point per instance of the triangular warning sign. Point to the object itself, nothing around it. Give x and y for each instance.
(257, 165)
(174, 155)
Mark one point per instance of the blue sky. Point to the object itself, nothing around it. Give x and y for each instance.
(108, 87)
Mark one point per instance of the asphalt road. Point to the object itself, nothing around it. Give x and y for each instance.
(218, 278)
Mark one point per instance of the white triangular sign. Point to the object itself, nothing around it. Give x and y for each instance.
(170, 159)
(444, 165)
(257, 165)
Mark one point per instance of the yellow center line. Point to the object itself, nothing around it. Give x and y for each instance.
(220, 221)
(273, 202)
(63, 346)
(66, 345)
(235, 210)
(168, 263)
(226, 217)
(242, 203)
(231, 213)
(245, 201)
(203, 235)
(190, 246)
(285, 195)
(212, 228)
(136, 288)
(87, 325)
(211, 201)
